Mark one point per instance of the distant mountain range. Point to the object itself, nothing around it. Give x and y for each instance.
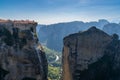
(112, 28)
(52, 35)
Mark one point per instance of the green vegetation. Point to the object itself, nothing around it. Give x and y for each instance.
(53, 73)
(54, 66)
(51, 56)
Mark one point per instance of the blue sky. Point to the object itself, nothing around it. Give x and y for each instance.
(54, 11)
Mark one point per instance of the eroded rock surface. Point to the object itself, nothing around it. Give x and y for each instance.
(91, 55)
(21, 56)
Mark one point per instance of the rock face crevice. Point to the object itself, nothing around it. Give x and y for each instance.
(91, 55)
(18, 53)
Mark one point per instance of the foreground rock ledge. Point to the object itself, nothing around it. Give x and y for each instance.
(91, 55)
(21, 56)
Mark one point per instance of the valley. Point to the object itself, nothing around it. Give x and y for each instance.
(32, 54)
(59, 39)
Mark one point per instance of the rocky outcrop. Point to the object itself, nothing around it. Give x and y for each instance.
(91, 55)
(56, 32)
(21, 56)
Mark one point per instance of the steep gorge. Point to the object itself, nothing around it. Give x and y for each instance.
(87, 55)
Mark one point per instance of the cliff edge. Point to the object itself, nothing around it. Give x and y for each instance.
(21, 56)
(91, 55)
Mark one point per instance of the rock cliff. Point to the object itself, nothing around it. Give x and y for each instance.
(91, 55)
(21, 56)
(60, 30)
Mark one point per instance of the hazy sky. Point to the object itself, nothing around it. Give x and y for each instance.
(53, 11)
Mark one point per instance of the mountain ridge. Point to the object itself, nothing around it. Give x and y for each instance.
(60, 30)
